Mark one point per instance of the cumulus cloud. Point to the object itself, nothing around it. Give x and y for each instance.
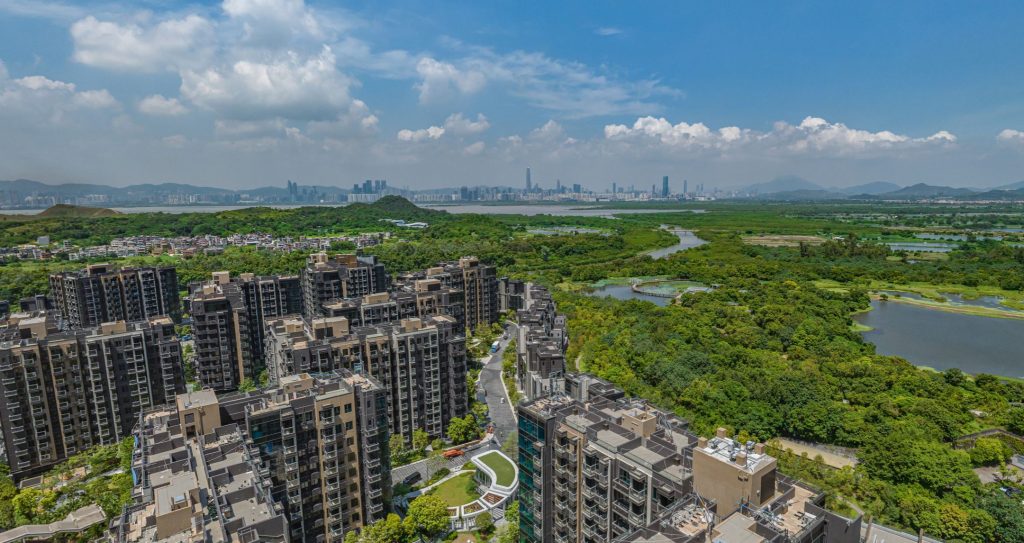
(461, 126)
(812, 135)
(271, 23)
(1010, 135)
(441, 79)
(162, 106)
(95, 99)
(474, 148)
(291, 87)
(423, 134)
(166, 45)
(42, 98)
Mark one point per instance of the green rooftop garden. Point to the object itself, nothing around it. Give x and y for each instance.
(503, 469)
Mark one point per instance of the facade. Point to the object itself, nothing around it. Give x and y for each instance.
(229, 323)
(596, 466)
(66, 391)
(420, 363)
(101, 294)
(211, 488)
(326, 279)
(323, 441)
(477, 282)
(596, 469)
(541, 343)
(418, 299)
(511, 295)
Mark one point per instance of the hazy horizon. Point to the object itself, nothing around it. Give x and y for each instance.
(250, 93)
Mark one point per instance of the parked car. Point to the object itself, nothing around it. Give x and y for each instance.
(412, 478)
(453, 453)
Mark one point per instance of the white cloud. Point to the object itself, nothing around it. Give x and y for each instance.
(812, 135)
(271, 23)
(460, 126)
(95, 99)
(176, 141)
(291, 87)
(160, 105)
(607, 31)
(38, 82)
(1012, 136)
(474, 148)
(440, 79)
(549, 131)
(166, 45)
(423, 134)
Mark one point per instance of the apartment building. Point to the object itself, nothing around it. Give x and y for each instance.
(102, 293)
(540, 344)
(596, 466)
(326, 279)
(596, 469)
(420, 363)
(511, 294)
(418, 299)
(323, 440)
(210, 487)
(66, 391)
(229, 322)
(477, 282)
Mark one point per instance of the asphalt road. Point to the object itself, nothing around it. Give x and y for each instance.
(501, 412)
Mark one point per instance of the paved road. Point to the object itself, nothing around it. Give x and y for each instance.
(501, 412)
(884, 534)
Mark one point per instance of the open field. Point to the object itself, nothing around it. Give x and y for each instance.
(457, 490)
(504, 470)
(782, 240)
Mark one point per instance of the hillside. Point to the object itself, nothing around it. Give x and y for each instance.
(785, 183)
(65, 211)
(924, 191)
(877, 187)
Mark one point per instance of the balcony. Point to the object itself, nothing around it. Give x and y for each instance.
(637, 519)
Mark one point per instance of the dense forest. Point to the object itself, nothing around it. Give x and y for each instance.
(767, 353)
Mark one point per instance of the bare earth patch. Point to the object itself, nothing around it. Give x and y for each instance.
(782, 240)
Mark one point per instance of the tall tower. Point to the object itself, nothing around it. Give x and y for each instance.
(685, 190)
(529, 183)
(664, 187)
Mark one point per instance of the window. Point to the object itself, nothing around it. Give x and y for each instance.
(348, 425)
(348, 408)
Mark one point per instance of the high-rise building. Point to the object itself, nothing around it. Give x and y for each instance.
(326, 279)
(577, 188)
(209, 487)
(529, 182)
(421, 363)
(685, 189)
(229, 316)
(101, 294)
(596, 466)
(541, 343)
(615, 188)
(66, 391)
(324, 442)
(367, 187)
(478, 283)
(664, 187)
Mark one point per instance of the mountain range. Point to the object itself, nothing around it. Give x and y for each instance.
(794, 188)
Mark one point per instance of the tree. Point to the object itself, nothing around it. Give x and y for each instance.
(389, 530)
(485, 523)
(510, 534)
(989, 451)
(247, 385)
(428, 516)
(461, 430)
(420, 439)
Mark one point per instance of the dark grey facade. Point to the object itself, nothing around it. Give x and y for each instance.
(478, 283)
(541, 344)
(229, 324)
(101, 293)
(421, 363)
(327, 279)
(67, 391)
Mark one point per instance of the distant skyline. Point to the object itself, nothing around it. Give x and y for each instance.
(249, 93)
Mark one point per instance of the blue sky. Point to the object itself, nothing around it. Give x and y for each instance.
(245, 93)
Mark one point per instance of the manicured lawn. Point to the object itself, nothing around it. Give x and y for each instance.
(458, 490)
(504, 470)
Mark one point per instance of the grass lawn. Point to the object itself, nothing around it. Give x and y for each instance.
(458, 490)
(504, 470)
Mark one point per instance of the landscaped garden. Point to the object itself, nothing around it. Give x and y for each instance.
(458, 490)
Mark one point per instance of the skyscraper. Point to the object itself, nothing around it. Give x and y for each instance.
(529, 182)
(685, 189)
(325, 279)
(664, 187)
